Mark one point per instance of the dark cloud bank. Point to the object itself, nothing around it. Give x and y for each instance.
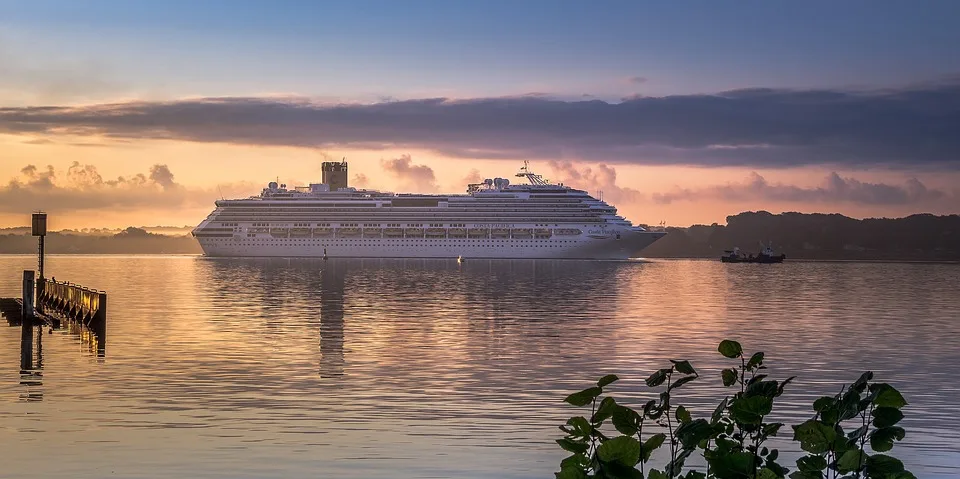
(912, 127)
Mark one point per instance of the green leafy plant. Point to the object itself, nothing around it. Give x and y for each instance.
(597, 455)
(873, 410)
(738, 450)
(733, 440)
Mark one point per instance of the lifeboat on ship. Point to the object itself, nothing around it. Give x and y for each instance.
(522, 233)
(478, 232)
(372, 232)
(300, 232)
(348, 232)
(322, 232)
(393, 232)
(436, 232)
(543, 233)
(279, 232)
(499, 233)
(457, 233)
(413, 232)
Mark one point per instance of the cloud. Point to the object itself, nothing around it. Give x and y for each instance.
(911, 127)
(594, 180)
(360, 180)
(412, 178)
(83, 188)
(637, 80)
(473, 176)
(835, 189)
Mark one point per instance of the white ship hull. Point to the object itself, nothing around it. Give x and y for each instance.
(629, 245)
(494, 220)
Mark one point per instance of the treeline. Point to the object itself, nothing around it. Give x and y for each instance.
(129, 241)
(800, 236)
(921, 237)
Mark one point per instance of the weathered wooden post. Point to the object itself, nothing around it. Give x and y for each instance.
(99, 323)
(26, 324)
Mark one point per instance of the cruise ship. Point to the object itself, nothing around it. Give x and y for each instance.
(494, 219)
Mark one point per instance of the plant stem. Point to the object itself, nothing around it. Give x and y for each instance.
(640, 440)
(673, 453)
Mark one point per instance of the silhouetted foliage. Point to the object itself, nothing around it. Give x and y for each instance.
(819, 236)
(733, 440)
(129, 241)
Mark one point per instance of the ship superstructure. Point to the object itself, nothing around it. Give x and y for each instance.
(494, 219)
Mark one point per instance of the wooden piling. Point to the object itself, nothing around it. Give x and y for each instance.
(26, 323)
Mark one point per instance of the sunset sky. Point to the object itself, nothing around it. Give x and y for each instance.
(117, 113)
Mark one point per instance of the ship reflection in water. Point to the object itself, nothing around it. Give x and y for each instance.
(433, 368)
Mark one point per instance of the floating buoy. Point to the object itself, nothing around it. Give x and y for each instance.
(324, 254)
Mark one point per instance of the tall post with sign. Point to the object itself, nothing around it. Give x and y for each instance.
(40, 230)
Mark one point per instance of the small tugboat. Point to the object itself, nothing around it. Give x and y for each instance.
(766, 255)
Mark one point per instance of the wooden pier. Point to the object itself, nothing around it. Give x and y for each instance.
(84, 306)
(56, 302)
(46, 302)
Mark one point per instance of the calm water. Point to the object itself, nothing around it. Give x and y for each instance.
(409, 369)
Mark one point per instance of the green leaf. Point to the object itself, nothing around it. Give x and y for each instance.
(762, 388)
(824, 402)
(881, 440)
(783, 385)
(766, 474)
(577, 460)
(887, 396)
(811, 463)
(572, 472)
(683, 416)
(771, 429)
(881, 466)
(580, 425)
(755, 360)
(690, 434)
(861, 383)
(584, 397)
(622, 449)
(615, 470)
(756, 379)
(814, 436)
(735, 465)
(675, 466)
(729, 376)
(606, 409)
(750, 410)
(576, 447)
(718, 412)
(852, 460)
(683, 367)
(682, 381)
(730, 349)
(626, 420)
(656, 474)
(858, 432)
(886, 416)
(652, 444)
(609, 378)
(658, 377)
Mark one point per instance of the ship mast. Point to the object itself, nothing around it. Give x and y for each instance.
(532, 177)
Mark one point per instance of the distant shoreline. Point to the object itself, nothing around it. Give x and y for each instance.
(647, 258)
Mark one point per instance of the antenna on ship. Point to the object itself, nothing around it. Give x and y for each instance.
(221, 192)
